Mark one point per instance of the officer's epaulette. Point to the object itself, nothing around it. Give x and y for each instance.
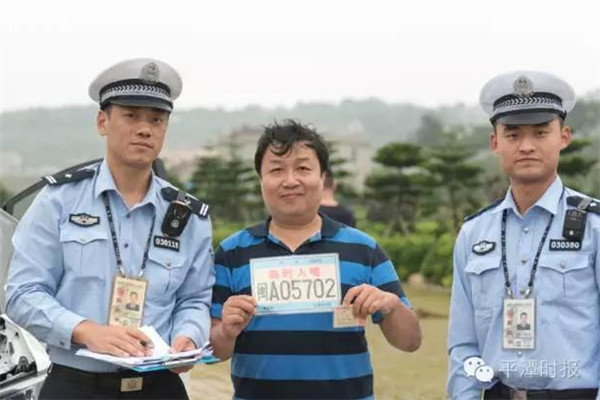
(68, 177)
(199, 208)
(481, 211)
(592, 206)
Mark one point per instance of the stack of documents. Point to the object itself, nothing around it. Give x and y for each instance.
(160, 359)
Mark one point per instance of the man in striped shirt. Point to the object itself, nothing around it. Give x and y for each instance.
(302, 355)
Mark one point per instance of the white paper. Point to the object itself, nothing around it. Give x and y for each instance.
(161, 348)
(160, 353)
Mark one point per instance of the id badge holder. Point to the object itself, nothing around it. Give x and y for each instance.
(518, 324)
(127, 301)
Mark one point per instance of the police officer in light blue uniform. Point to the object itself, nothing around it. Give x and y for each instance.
(115, 219)
(534, 252)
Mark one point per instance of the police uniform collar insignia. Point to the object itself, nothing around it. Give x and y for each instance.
(590, 205)
(68, 177)
(483, 247)
(197, 207)
(523, 86)
(181, 207)
(150, 73)
(85, 220)
(483, 210)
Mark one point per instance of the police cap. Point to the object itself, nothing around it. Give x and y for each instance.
(526, 98)
(141, 82)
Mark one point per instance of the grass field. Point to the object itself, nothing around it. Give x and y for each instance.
(401, 376)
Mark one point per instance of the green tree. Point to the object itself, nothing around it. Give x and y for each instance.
(430, 132)
(229, 186)
(478, 137)
(496, 185)
(585, 116)
(393, 192)
(338, 166)
(574, 164)
(455, 181)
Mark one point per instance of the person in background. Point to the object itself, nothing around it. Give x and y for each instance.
(331, 207)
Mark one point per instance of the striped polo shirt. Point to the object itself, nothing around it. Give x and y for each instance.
(301, 356)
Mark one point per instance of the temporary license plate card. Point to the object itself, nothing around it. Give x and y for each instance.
(296, 284)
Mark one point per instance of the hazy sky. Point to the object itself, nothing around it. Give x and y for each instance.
(233, 53)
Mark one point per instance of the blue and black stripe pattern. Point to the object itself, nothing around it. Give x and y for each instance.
(301, 356)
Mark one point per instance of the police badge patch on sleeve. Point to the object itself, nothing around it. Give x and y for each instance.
(84, 220)
(483, 247)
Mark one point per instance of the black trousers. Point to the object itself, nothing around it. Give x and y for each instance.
(64, 383)
(502, 392)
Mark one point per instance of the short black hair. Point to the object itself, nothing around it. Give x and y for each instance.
(523, 313)
(281, 138)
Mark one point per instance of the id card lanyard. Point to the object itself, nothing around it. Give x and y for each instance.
(115, 242)
(520, 336)
(529, 289)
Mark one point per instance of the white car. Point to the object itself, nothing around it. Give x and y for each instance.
(23, 359)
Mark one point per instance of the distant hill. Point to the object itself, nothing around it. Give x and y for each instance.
(67, 135)
(47, 139)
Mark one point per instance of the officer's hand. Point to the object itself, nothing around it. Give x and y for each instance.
(182, 343)
(367, 300)
(236, 315)
(120, 341)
